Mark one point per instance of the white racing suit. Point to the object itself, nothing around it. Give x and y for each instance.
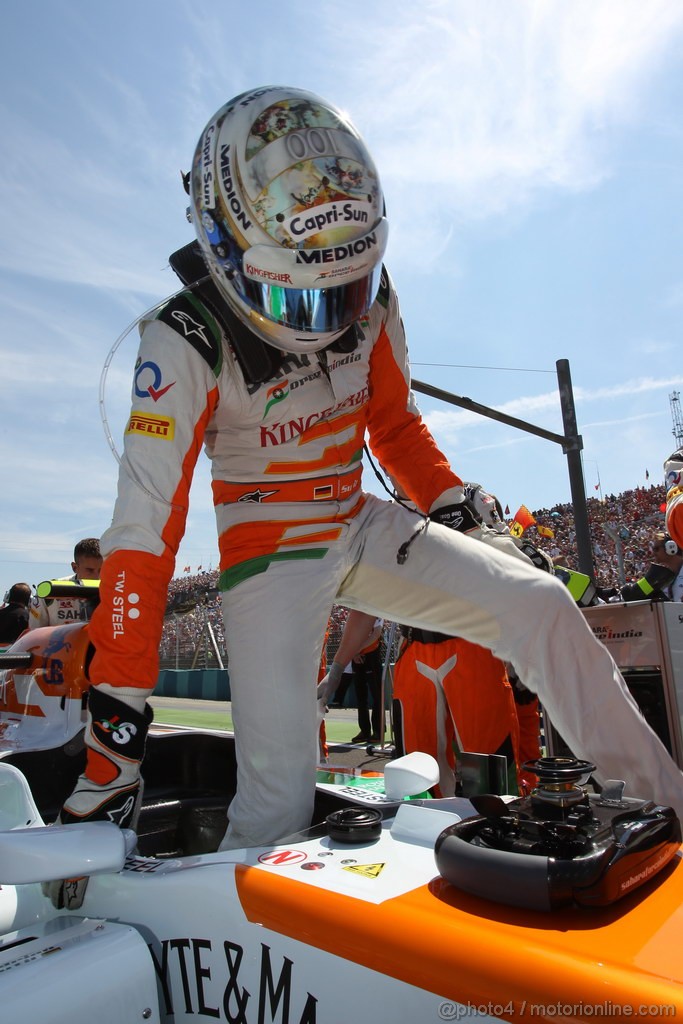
(58, 611)
(297, 533)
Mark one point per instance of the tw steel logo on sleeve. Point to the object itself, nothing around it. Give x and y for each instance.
(125, 606)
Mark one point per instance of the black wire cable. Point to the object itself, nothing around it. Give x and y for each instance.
(402, 553)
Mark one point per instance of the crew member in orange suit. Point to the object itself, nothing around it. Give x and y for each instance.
(452, 696)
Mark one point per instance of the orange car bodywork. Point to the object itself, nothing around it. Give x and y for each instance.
(571, 965)
(59, 669)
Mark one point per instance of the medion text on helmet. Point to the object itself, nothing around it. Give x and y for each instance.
(337, 252)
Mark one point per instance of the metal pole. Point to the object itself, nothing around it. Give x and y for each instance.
(214, 644)
(572, 449)
(571, 443)
(485, 410)
(385, 749)
(613, 534)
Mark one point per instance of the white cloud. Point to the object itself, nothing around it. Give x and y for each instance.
(509, 91)
(621, 421)
(71, 216)
(444, 422)
(653, 346)
(476, 108)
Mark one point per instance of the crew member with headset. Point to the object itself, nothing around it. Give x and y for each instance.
(668, 553)
(14, 615)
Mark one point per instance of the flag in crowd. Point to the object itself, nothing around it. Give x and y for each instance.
(544, 531)
(523, 519)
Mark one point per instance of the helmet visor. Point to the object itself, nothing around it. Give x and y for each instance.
(311, 310)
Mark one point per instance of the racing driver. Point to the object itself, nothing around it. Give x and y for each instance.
(284, 350)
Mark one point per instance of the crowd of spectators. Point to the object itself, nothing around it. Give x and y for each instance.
(194, 599)
(193, 604)
(635, 514)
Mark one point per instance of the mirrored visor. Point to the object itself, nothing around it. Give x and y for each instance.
(315, 310)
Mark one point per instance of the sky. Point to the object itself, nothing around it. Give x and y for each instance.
(530, 153)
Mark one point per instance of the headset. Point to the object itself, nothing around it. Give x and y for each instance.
(670, 546)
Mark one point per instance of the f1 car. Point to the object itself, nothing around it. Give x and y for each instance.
(391, 907)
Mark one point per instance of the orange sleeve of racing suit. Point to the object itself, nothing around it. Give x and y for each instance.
(399, 438)
(174, 396)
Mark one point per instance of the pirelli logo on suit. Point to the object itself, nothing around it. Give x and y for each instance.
(162, 428)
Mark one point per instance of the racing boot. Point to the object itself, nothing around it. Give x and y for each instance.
(110, 789)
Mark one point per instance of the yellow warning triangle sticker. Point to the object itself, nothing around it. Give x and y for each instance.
(367, 870)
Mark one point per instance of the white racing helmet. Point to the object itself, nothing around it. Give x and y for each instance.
(288, 209)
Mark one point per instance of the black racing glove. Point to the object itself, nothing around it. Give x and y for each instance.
(540, 559)
(462, 517)
(649, 586)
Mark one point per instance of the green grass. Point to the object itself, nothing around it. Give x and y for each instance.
(194, 719)
(336, 731)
